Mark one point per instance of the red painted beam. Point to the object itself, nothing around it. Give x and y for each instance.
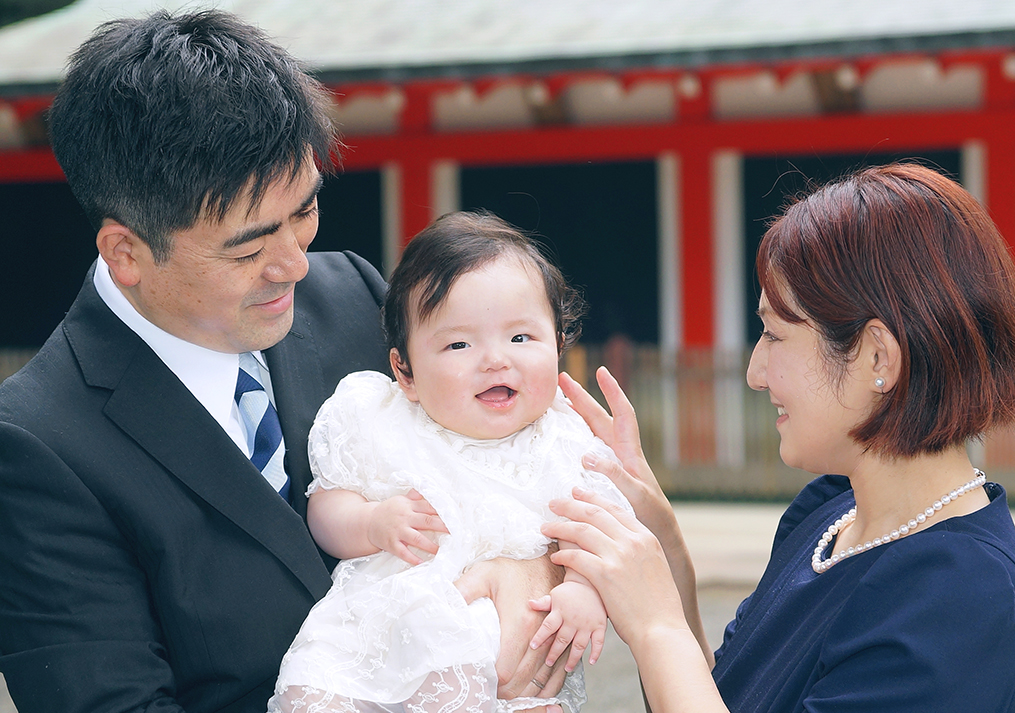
(29, 166)
(821, 135)
(787, 136)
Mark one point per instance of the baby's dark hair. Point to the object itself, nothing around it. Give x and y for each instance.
(458, 243)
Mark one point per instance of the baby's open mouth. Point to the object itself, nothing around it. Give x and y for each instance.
(497, 394)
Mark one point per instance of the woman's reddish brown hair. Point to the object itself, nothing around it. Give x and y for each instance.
(908, 246)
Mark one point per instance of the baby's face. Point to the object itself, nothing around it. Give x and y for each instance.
(485, 363)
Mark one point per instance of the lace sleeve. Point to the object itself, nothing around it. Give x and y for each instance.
(339, 442)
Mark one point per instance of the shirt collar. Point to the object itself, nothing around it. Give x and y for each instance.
(209, 375)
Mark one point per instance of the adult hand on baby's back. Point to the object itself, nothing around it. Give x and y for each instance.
(511, 584)
(398, 523)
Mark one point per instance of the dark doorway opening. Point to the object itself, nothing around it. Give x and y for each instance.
(47, 246)
(350, 205)
(599, 222)
(771, 181)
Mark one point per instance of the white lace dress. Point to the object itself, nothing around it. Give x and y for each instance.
(392, 637)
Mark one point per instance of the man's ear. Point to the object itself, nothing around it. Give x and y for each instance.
(883, 356)
(123, 251)
(402, 375)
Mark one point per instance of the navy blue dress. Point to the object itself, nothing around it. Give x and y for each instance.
(925, 623)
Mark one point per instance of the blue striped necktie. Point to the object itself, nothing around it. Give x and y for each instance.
(264, 434)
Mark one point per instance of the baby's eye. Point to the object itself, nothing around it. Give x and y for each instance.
(520, 338)
(457, 345)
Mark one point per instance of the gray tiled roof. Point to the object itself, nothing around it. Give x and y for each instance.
(371, 39)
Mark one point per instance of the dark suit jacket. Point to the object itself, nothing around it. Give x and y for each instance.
(145, 564)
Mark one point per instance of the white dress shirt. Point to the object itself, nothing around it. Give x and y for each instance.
(209, 375)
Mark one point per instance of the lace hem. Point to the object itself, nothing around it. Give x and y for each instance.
(456, 689)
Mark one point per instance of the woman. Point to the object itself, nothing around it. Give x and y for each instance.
(888, 300)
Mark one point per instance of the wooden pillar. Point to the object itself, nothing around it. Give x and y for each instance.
(696, 406)
(414, 174)
(670, 312)
(1000, 145)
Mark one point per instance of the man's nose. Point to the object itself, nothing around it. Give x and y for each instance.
(289, 260)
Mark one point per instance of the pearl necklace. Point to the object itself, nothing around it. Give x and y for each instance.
(819, 565)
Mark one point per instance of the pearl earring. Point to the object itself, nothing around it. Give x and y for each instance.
(879, 382)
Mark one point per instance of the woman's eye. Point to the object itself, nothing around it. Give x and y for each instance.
(769, 337)
(520, 338)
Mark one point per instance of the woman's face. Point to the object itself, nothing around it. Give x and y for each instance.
(816, 411)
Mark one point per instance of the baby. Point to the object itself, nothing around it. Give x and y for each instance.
(451, 464)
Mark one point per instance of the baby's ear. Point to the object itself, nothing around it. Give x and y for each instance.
(403, 374)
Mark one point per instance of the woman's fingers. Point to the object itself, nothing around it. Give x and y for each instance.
(594, 509)
(598, 419)
(616, 399)
(622, 560)
(626, 434)
(614, 471)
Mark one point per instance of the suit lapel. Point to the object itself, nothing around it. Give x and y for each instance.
(297, 381)
(153, 408)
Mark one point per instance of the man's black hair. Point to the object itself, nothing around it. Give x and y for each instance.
(167, 119)
(458, 243)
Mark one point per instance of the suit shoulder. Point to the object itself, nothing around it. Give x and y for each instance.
(338, 273)
(50, 377)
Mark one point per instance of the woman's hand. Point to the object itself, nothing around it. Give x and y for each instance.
(638, 484)
(626, 564)
(622, 559)
(620, 432)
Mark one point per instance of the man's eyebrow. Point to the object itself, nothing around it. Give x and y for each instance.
(257, 231)
(312, 195)
(249, 234)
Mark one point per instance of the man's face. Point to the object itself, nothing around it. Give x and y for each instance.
(228, 285)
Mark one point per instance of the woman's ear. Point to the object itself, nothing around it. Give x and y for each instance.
(123, 251)
(883, 356)
(403, 375)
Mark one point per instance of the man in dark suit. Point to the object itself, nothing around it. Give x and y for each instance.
(150, 557)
